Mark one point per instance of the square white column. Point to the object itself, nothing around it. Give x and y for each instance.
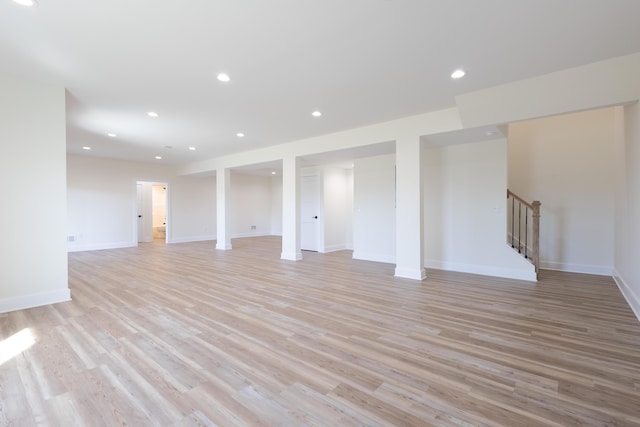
(291, 209)
(409, 209)
(223, 208)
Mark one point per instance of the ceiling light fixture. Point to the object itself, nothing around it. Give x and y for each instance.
(273, 173)
(192, 148)
(316, 113)
(240, 135)
(224, 77)
(29, 3)
(152, 114)
(158, 157)
(111, 135)
(86, 148)
(457, 74)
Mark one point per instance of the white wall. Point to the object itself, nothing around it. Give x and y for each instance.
(374, 221)
(102, 203)
(33, 265)
(192, 213)
(627, 224)
(566, 162)
(250, 205)
(465, 210)
(338, 208)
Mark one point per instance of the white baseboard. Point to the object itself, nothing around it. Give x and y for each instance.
(333, 248)
(484, 270)
(389, 259)
(202, 238)
(627, 292)
(101, 246)
(291, 256)
(34, 300)
(252, 234)
(410, 273)
(577, 268)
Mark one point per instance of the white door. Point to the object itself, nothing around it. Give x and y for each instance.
(140, 210)
(309, 211)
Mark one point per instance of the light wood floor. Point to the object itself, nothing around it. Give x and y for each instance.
(186, 335)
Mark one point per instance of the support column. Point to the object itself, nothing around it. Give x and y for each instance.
(409, 209)
(223, 208)
(291, 209)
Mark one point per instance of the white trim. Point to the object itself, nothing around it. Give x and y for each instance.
(389, 259)
(101, 246)
(252, 234)
(599, 270)
(193, 239)
(221, 246)
(627, 292)
(484, 270)
(411, 273)
(334, 248)
(34, 300)
(291, 256)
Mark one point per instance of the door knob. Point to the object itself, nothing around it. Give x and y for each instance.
(315, 217)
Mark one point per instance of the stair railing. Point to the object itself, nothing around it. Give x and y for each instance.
(524, 232)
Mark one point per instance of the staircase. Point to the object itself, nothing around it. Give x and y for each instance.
(523, 233)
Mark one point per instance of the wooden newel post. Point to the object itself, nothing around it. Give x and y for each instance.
(536, 234)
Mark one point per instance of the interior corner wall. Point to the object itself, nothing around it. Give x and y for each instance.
(251, 210)
(465, 211)
(102, 203)
(33, 267)
(374, 213)
(627, 223)
(567, 163)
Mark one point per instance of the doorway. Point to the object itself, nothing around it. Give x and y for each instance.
(310, 212)
(152, 215)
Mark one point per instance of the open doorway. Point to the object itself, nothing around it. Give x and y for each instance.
(152, 211)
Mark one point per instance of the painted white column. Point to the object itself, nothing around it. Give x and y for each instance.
(291, 209)
(409, 209)
(223, 209)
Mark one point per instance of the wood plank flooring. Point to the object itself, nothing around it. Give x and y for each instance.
(184, 335)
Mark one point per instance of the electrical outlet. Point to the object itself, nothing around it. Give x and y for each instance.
(71, 238)
(253, 227)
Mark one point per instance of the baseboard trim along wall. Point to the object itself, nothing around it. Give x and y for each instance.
(35, 300)
(632, 299)
(333, 248)
(598, 270)
(389, 259)
(101, 246)
(483, 270)
(192, 239)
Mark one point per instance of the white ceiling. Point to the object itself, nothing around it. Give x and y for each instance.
(358, 61)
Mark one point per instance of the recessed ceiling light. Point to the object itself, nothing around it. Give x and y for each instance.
(152, 114)
(30, 3)
(240, 135)
(86, 148)
(316, 113)
(224, 77)
(158, 157)
(457, 74)
(112, 135)
(273, 173)
(192, 148)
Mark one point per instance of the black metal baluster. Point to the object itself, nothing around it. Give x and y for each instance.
(513, 220)
(526, 229)
(519, 227)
